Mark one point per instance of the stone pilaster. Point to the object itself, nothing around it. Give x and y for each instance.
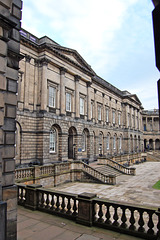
(89, 101)
(26, 82)
(77, 78)
(36, 68)
(44, 94)
(62, 91)
(95, 106)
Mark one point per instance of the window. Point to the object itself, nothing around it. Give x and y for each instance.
(128, 120)
(52, 143)
(99, 113)
(91, 110)
(145, 129)
(81, 106)
(119, 119)
(114, 142)
(113, 117)
(83, 142)
(52, 97)
(68, 102)
(107, 115)
(107, 142)
(120, 142)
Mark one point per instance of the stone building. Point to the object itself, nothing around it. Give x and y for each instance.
(10, 16)
(65, 111)
(151, 133)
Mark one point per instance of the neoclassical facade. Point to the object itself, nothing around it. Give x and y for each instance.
(151, 133)
(65, 111)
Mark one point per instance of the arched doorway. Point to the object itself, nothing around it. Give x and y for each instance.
(86, 143)
(72, 143)
(157, 144)
(150, 144)
(145, 144)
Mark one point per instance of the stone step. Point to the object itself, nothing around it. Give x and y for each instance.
(107, 170)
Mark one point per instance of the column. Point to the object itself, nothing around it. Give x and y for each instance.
(44, 94)
(62, 91)
(26, 82)
(89, 101)
(95, 106)
(77, 78)
(36, 66)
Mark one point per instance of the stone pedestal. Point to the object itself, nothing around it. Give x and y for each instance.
(31, 196)
(85, 210)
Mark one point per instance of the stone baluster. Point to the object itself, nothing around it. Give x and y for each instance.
(57, 204)
(69, 212)
(141, 221)
(108, 215)
(100, 214)
(150, 223)
(63, 205)
(132, 220)
(115, 217)
(123, 218)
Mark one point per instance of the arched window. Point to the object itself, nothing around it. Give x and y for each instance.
(120, 142)
(114, 142)
(108, 140)
(53, 140)
(83, 141)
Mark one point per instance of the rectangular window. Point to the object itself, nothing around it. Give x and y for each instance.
(113, 117)
(68, 102)
(107, 115)
(81, 106)
(91, 110)
(52, 97)
(99, 113)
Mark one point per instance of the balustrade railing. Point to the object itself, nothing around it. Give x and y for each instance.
(58, 203)
(141, 221)
(117, 166)
(24, 173)
(130, 219)
(110, 179)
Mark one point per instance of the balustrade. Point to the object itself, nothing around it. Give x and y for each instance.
(22, 173)
(130, 219)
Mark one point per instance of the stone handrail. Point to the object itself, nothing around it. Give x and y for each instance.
(108, 179)
(117, 166)
(127, 218)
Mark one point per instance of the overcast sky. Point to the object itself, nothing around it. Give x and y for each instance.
(114, 37)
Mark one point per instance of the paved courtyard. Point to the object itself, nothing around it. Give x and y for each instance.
(131, 189)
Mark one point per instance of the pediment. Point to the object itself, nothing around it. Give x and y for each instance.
(135, 98)
(73, 56)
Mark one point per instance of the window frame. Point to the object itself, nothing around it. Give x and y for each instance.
(53, 140)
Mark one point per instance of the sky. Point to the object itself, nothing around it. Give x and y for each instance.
(114, 37)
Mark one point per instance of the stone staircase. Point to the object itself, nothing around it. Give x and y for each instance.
(107, 170)
(153, 156)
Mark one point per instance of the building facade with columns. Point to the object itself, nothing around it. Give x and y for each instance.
(65, 111)
(151, 133)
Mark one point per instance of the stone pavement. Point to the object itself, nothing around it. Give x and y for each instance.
(131, 189)
(36, 225)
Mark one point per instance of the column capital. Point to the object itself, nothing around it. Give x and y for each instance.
(77, 78)
(89, 84)
(28, 58)
(36, 61)
(44, 61)
(62, 70)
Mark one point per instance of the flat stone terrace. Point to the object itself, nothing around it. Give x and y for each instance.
(131, 189)
(36, 225)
